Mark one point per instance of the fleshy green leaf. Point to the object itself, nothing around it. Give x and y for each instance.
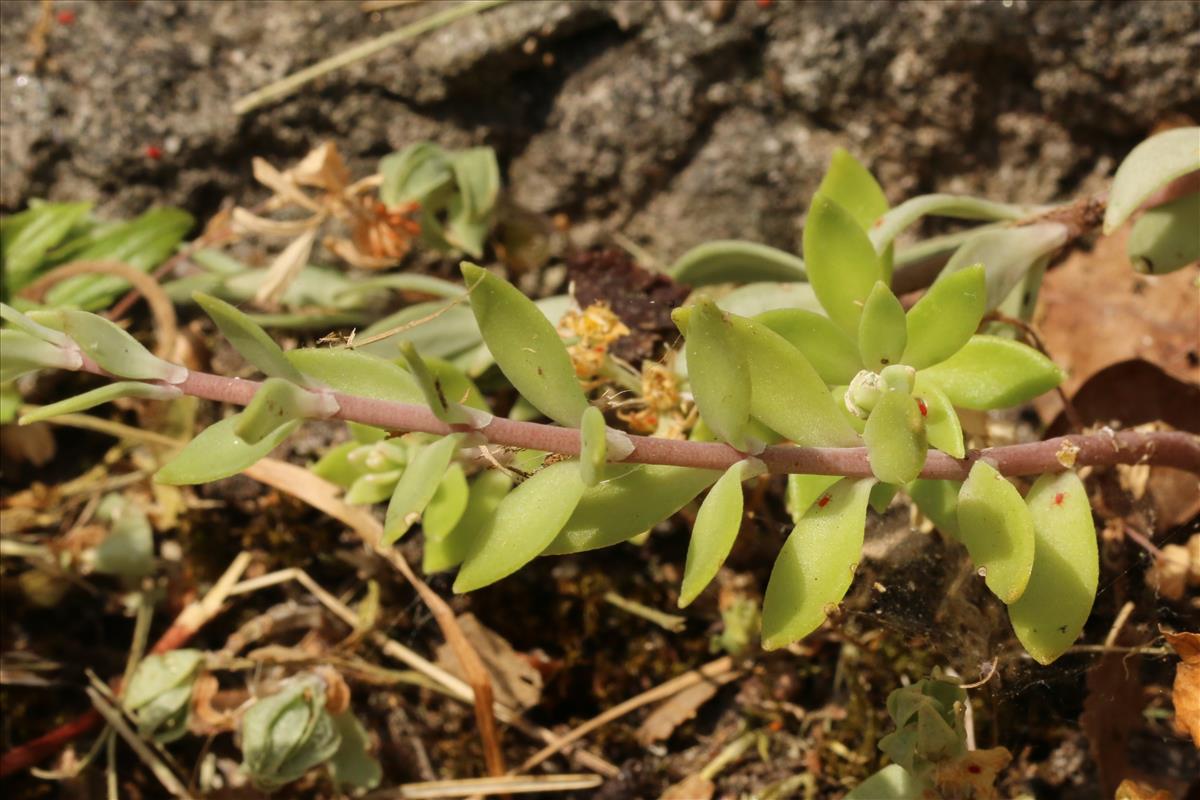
(937, 500)
(851, 185)
(995, 525)
(352, 372)
(525, 346)
(487, 490)
(1149, 167)
(940, 205)
(448, 504)
(893, 782)
(942, 427)
(285, 735)
(252, 342)
(478, 178)
(115, 350)
(1165, 237)
(989, 372)
(882, 495)
(34, 329)
(833, 354)
(24, 354)
(946, 317)
(413, 173)
(25, 238)
(352, 765)
(719, 374)
(456, 386)
(882, 334)
(525, 522)
(1006, 254)
(218, 452)
(804, 490)
(276, 402)
(372, 488)
(1050, 615)
(631, 500)
(593, 448)
(143, 243)
(336, 467)
(104, 394)
(758, 298)
(446, 410)
(896, 439)
(417, 486)
(787, 394)
(842, 265)
(128, 550)
(716, 529)
(816, 565)
(160, 672)
(735, 261)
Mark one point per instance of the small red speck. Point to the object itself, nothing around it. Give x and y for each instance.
(65, 17)
(763, 3)
(924, 408)
(598, 348)
(153, 152)
(776, 725)
(824, 501)
(1058, 498)
(974, 769)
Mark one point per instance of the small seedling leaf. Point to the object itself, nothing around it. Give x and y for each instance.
(942, 426)
(448, 504)
(33, 328)
(989, 372)
(443, 408)
(946, 317)
(816, 565)
(279, 401)
(353, 765)
(24, 354)
(995, 525)
(842, 265)
(486, 492)
(252, 342)
(1149, 167)
(525, 346)
(719, 374)
(1050, 615)
(417, 486)
(716, 529)
(525, 522)
(115, 350)
(593, 448)
(219, 452)
(882, 334)
(896, 438)
(25, 238)
(851, 185)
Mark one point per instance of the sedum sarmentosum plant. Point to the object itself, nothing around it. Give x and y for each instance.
(843, 388)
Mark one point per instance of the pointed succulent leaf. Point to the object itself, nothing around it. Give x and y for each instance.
(842, 265)
(372, 488)
(833, 354)
(946, 317)
(438, 328)
(443, 408)
(881, 496)
(787, 394)
(336, 467)
(990, 372)
(995, 525)
(719, 374)
(816, 565)
(104, 394)
(942, 426)
(1149, 167)
(417, 486)
(353, 765)
(937, 500)
(448, 504)
(160, 672)
(486, 492)
(456, 386)
(33, 328)
(278, 401)
(760, 297)
(1164, 238)
(851, 185)
(252, 342)
(116, 351)
(939, 205)
(1050, 615)
(630, 500)
(882, 334)
(461, 231)
(896, 439)
(893, 782)
(282, 734)
(526, 347)
(735, 261)
(24, 354)
(1006, 254)
(478, 177)
(413, 173)
(352, 372)
(716, 529)
(593, 449)
(525, 522)
(804, 490)
(26, 238)
(219, 452)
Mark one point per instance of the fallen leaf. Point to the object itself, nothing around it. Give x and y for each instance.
(1112, 715)
(1186, 692)
(673, 712)
(515, 681)
(1133, 393)
(1132, 790)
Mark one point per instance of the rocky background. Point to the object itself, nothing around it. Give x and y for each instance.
(672, 122)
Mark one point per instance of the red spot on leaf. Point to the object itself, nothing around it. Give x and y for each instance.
(1058, 498)
(153, 152)
(924, 408)
(65, 17)
(974, 769)
(824, 501)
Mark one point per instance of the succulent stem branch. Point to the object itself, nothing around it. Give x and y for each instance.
(1164, 448)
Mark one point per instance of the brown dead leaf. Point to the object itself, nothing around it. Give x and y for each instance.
(1112, 714)
(33, 443)
(973, 775)
(1186, 692)
(515, 681)
(1095, 311)
(1132, 790)
(213, 711)
(1169, 572)
(693, 787)
(1133, 393)
(673, 712)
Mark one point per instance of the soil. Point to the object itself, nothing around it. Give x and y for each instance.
(669, 123)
